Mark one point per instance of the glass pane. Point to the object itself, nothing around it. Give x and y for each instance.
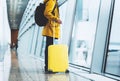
(84, 32)
(31, 45)
(43, 47)
(113, 56)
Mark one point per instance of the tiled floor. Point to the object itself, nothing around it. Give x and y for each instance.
(15, 74)
(30, 69)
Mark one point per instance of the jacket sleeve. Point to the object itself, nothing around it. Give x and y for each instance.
(48, 10)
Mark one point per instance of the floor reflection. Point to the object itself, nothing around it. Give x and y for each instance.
(26, 68)
(30, 68)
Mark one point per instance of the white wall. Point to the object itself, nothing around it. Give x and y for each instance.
(5, 40)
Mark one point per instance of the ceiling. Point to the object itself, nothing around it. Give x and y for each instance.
(16, 9)
(15, 12)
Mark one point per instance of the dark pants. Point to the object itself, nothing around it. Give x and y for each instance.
(49, 41)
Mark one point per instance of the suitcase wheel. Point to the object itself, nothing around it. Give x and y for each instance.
(67, 71)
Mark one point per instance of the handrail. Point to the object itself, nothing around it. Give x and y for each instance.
(60, 4)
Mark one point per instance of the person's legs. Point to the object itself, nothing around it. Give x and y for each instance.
(49, 41)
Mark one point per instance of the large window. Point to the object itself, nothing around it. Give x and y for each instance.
(84, 30)
(113, 55)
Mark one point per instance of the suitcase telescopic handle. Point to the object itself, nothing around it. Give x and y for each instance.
(53, 32)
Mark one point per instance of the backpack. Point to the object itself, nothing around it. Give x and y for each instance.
(39, 17)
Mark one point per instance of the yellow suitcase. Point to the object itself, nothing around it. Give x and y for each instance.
(58, 58)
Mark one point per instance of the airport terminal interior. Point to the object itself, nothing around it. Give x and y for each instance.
(90, 31)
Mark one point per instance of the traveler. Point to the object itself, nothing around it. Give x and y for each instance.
(52, 28)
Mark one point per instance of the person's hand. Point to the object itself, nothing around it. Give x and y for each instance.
(59, 21)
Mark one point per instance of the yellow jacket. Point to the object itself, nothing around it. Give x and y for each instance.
(51, 28)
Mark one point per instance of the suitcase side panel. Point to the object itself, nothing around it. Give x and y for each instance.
(58, 58)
